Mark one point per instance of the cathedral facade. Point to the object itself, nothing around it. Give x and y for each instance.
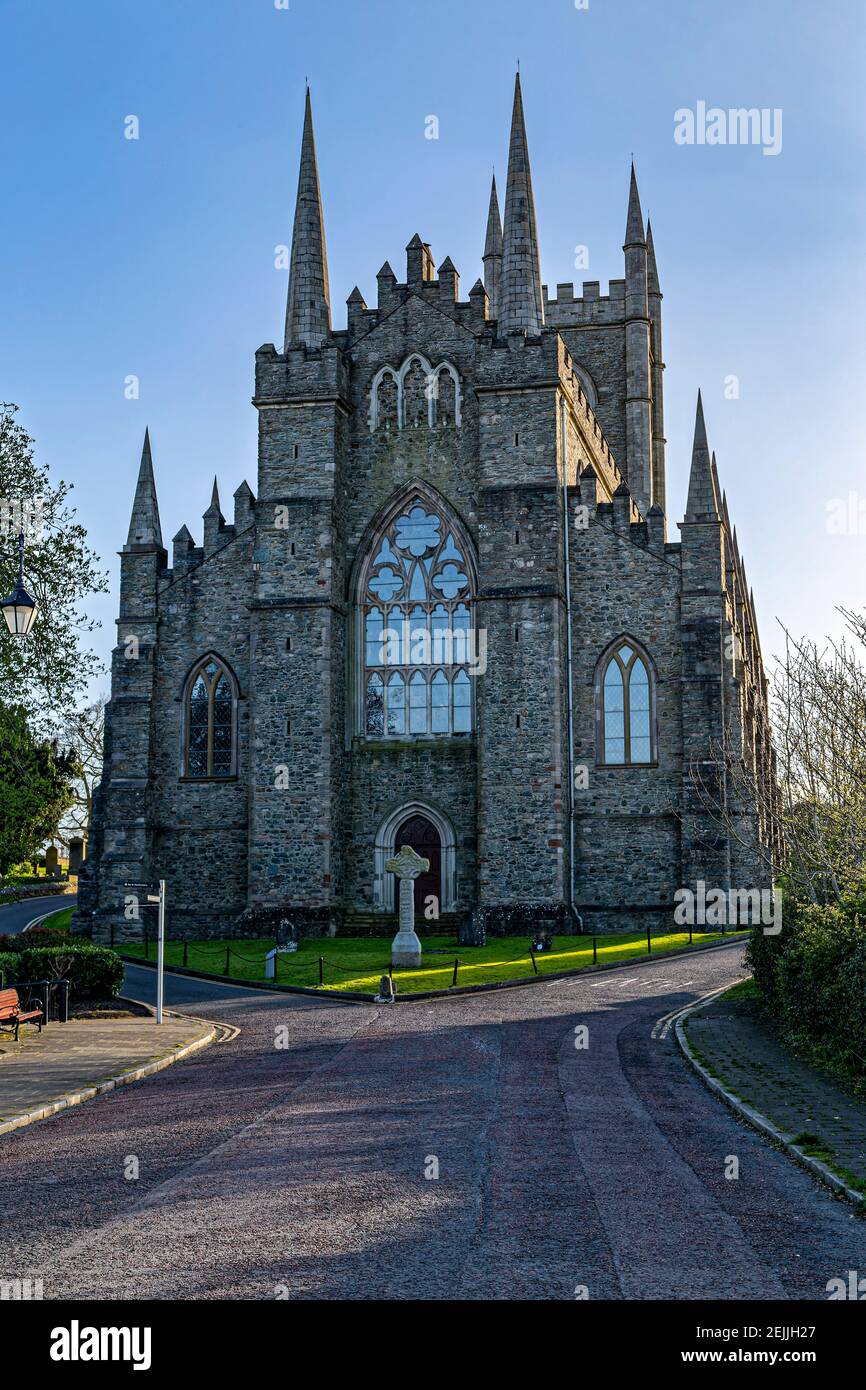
(450, 616)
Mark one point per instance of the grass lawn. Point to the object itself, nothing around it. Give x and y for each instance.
(746, 989)
(63, 918)
(357, 963)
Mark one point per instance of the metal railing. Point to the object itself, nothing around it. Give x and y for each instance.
(51, 996)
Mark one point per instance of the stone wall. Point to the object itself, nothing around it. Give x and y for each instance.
(273, 596)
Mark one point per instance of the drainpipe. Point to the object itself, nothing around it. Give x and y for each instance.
(569, 666)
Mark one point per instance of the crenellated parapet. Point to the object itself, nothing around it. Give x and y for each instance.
(621, 515)
(588, 309)
(439, 291)
(301, 374)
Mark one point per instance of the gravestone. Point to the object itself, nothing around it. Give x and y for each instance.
(386, 990)
(287, 934)
(76, 855)
(407, 865)
(52, 866)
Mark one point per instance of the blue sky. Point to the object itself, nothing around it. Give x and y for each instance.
(155, 257)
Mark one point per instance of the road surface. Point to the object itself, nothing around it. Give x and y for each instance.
(301, 1159)
(14, 917)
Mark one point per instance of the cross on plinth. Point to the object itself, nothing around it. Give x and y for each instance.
(407, 865)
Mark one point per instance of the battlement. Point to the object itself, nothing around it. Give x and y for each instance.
(187, 556)
(621, 515)
(440, 291)
(595, 446)
(569, 310)
(301, 372)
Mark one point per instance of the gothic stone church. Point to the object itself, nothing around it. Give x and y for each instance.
(450, 617)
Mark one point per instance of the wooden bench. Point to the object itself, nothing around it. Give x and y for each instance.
(12, 1015)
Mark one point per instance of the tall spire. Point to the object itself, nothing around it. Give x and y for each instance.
(144, 527)
(493, 252)
(638, 360)
(703, 497)
(653, 285)
(215, 498)
(520, 307)
(634, 233)
(308, 312)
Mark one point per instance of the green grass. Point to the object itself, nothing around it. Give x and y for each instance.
(357, 963)
(746, 989)
(63, 918)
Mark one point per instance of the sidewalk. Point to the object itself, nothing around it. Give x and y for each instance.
(729, 1038)
(70, 1062)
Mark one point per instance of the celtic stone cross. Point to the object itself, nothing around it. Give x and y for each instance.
(407, 865)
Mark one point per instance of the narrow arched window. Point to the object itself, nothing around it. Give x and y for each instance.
(211, 721)
(415, 594)
(625, 707)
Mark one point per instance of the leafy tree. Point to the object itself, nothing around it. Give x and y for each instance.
(47, 670)
(35, 788)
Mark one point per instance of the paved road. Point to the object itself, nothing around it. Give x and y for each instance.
(292, 1159)
(15, 916)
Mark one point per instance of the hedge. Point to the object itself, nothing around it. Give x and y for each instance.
(812, 979)
(38, 936)
(93, 972)
(8, 967)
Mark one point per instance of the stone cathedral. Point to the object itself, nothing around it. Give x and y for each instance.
(450, 616)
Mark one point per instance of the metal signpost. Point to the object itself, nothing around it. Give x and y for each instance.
(160, 946)
(158, 899)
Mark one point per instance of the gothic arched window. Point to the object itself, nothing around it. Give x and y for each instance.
(210, 703)
(415, 395)
(415, 593)
(625, 706)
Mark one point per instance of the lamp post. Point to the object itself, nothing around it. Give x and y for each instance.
(19, 609)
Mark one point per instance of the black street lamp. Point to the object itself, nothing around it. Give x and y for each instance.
(19, 609)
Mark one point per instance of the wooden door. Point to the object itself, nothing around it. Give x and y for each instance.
(423, 836)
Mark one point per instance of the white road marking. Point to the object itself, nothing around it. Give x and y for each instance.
(663, 1024)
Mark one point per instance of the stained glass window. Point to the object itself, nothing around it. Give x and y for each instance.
(210, 721)
(416, 634)
(626, 709)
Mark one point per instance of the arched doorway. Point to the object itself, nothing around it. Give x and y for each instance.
(385, 898)
(422, 835)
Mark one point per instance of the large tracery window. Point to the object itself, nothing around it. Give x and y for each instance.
(210, 721)
(625, 707)
(416, 609)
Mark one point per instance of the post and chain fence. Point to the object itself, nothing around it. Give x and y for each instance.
(314, 973)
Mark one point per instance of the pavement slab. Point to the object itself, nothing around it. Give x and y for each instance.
(740, 1047)
(66, 1058)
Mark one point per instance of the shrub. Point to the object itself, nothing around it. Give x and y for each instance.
(812, 979)
(93, 972)
(43, 936)
(8, 966)
(37, 936)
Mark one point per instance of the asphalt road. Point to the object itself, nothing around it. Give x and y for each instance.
(15, 916)
(294, 1160)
